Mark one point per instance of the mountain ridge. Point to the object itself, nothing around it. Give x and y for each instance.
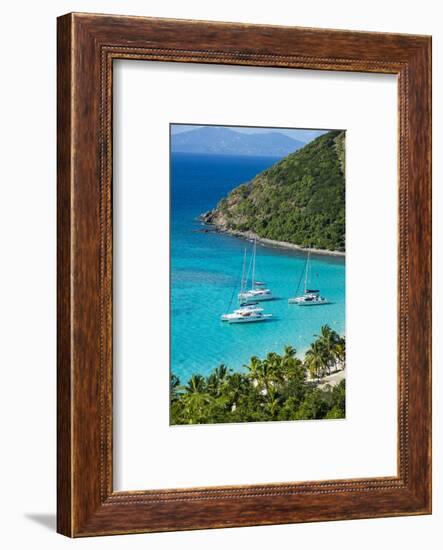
(225, 141)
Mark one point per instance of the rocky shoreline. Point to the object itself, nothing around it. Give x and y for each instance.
(208, 219)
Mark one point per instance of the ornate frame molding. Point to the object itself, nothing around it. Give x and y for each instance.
(87, 46)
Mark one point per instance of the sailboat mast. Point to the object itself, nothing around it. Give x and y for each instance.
(243, 272)
(253, 264)
(307, 271)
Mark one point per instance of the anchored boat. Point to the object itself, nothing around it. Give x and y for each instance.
(310, 297)
(244, 308)
(249, 310)
(250, 317)
(258, 291)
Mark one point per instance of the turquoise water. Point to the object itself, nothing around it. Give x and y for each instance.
(206, 271)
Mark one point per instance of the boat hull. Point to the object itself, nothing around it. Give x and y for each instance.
(302, 303)
(260, 298)
(250, 319)
(309, 304)
(228, 316)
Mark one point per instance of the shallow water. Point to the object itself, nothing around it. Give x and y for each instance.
(206, 272)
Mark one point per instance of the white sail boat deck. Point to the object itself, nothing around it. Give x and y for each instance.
(247, 308)
(250, 317)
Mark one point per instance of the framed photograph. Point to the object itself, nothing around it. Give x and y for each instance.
(233, 221)
(244, 288)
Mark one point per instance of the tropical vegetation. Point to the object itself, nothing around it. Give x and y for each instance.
(299, 200)
(278, 387)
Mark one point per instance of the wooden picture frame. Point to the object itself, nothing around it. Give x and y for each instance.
(87, 46)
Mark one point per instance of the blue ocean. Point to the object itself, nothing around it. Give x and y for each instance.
(206, 271)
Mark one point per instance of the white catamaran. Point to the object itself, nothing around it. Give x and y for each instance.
(250, 317)
(249, 311)
(310, 297)
(242, 310)
(257, 292)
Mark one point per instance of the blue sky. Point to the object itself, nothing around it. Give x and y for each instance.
(301, 134)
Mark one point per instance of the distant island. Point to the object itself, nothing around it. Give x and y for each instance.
(298, 201)
(225, 141)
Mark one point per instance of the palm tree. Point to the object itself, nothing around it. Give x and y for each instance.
(196, 384)
(196, 400)
(315, 360)
(289, 352)
(254, 368)
(174, 387)
(292, 366)
(272, 406)
(340, 352)
(221, 372)
(212, 384)
(329, 340)
(195, 407)
(260, 372)
(267, 373)
(234, 389)
(219, 378)
(275, 368)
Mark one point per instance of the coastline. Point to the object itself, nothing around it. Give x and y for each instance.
(270, 242)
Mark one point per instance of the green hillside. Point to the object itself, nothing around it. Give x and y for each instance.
(300, 199)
